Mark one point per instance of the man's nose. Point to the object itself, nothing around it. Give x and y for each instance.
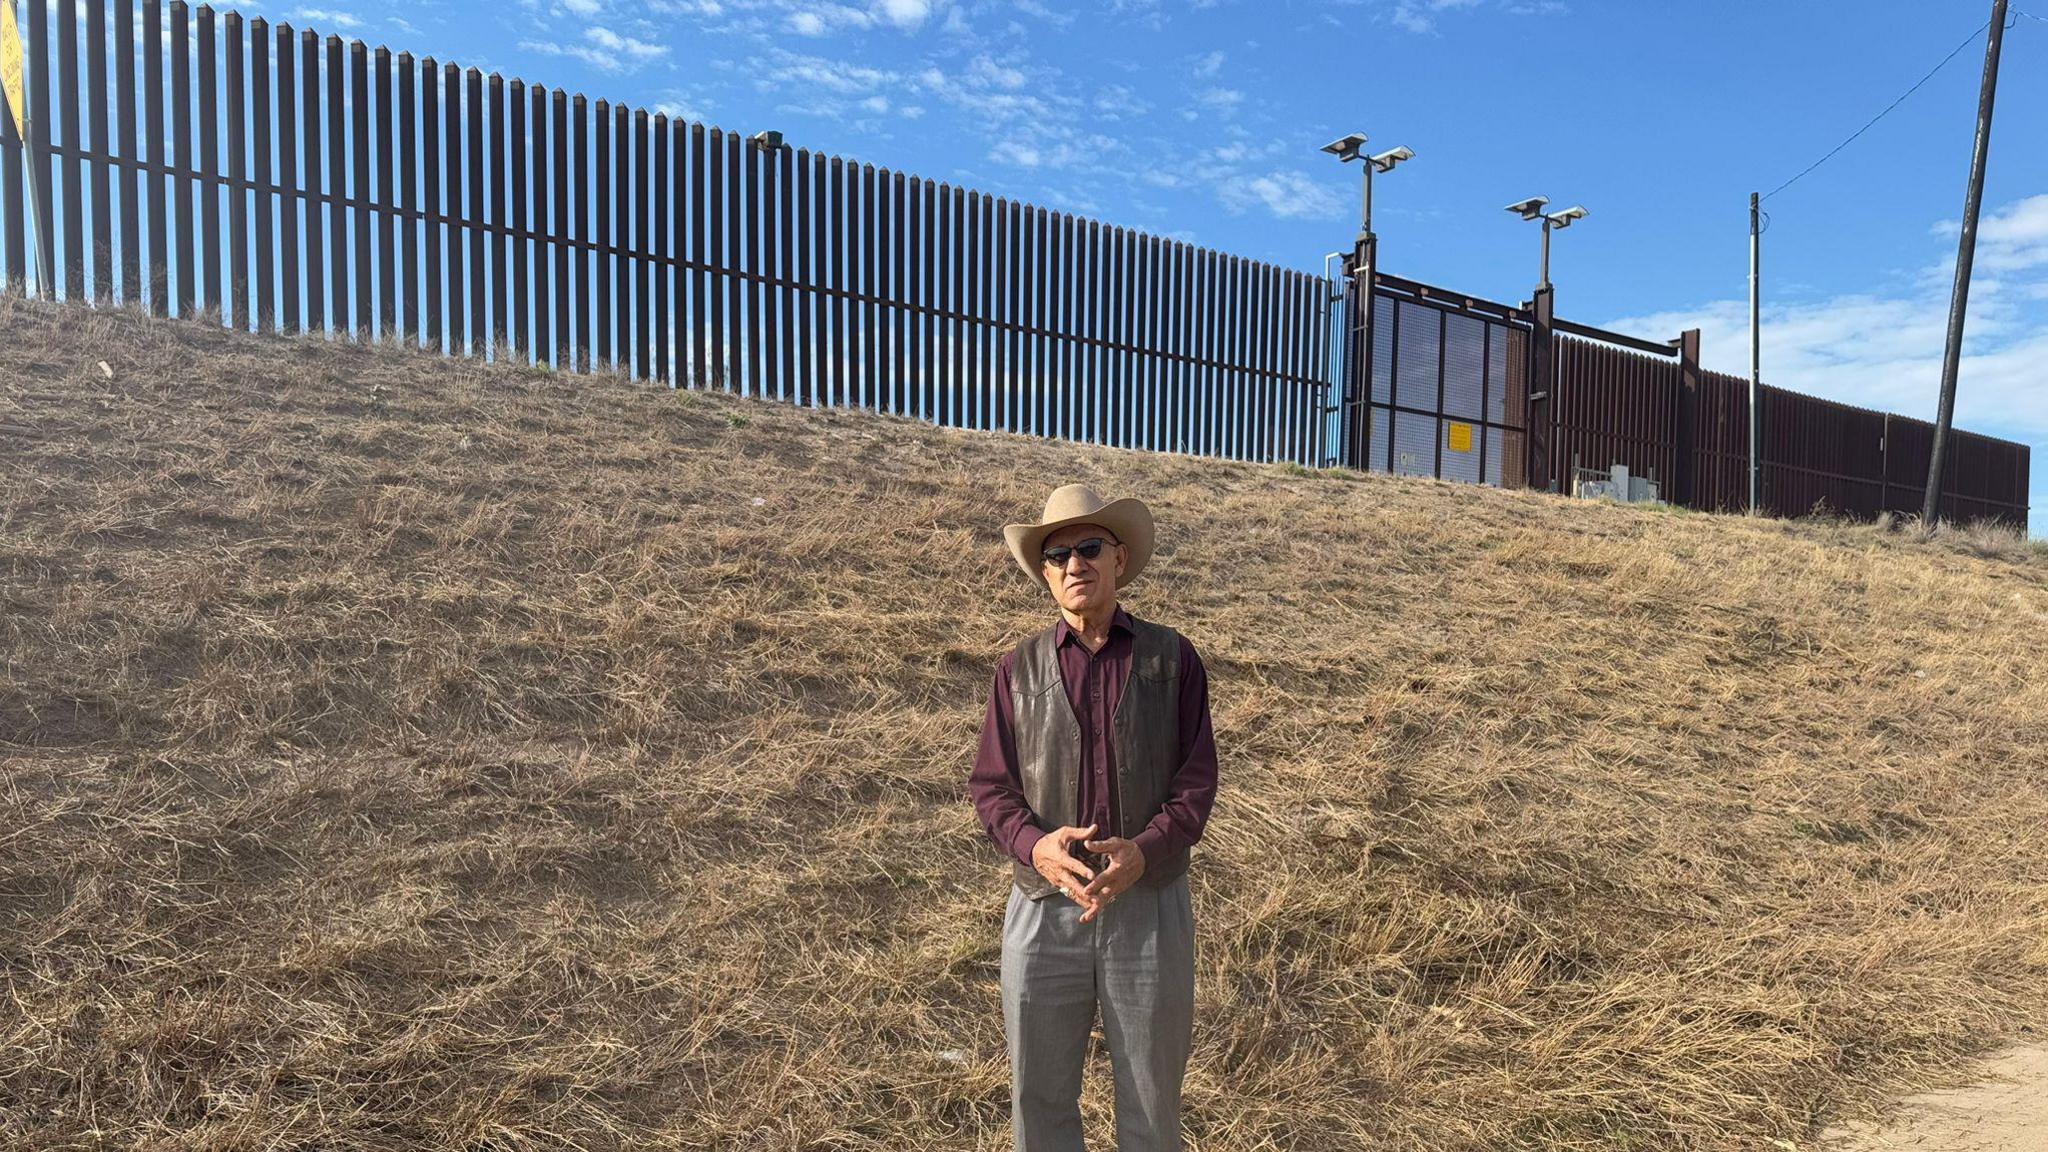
(1076, 562)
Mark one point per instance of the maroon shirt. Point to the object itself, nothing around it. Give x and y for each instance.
(1095, 683)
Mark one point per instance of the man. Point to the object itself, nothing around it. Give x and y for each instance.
(1096, 772)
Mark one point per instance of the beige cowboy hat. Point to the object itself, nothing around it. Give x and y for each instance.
(1127, 519)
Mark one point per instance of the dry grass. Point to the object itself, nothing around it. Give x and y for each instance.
(399, 753)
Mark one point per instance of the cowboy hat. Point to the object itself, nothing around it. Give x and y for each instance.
(1127, 519)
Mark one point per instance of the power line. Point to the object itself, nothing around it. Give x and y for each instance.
(1887, 111)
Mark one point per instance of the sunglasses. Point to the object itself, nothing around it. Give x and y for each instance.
(1089, 550)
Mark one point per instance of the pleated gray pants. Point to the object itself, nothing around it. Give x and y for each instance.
(1137, 960)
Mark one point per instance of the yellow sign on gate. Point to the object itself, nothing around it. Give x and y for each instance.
(10, 67)
(1458, 437)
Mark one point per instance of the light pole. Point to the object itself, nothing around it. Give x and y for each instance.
(1543, 473)
(1384, 162)
(1349, 148)
(1532, 209)
(1363, 267)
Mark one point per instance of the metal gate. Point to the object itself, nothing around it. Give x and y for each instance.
(1442, 389)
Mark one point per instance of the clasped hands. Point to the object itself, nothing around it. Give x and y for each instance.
(1050, 856)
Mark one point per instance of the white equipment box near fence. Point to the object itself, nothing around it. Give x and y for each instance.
(1616, 484)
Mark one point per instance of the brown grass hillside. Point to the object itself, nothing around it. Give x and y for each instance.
(398, 753)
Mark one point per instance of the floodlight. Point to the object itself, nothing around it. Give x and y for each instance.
(1386, 160)
(1531, 208)
(1564, 219)
(1347, 148)
(769, 141)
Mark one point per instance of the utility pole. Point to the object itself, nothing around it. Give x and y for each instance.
(1966, 251)
(1755, 348)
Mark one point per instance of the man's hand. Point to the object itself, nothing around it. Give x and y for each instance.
(1060, 869)
(1126, 864)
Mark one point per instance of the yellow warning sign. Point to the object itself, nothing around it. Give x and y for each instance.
(10, 66)
(1459, 437)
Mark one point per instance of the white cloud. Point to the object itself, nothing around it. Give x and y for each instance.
(1031, 115)
(906, 14)
(2013, 239)
(606, 50)
(582, 7)
(1035, 9)
(1287, 195)
(680, 104)
(1147, 12)
(1218, 101)
(1055, 150)
(675, 110)
(994, 93)
(1117, 102)
(1410, 18)
(1011, 152)
(1208, 65)
(988, 73)
(331, 16)
(1419, 16)
(833, 89)
(611, 41)
(822, 19)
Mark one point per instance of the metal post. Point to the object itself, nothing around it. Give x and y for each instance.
(1755, 347)
(1366, 227)
(1685, 483)
(1336, 352)
(1366, 264)
(1966, 250)
(1542, 384)
(1543, 281)
(1357, 417)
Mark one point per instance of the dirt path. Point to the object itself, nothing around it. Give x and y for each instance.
(2007, 1111)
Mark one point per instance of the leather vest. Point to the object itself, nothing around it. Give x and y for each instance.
(1145, 735)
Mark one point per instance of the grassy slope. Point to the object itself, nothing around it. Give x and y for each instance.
(404, 753)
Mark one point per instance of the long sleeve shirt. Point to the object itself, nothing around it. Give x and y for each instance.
(1095, 683)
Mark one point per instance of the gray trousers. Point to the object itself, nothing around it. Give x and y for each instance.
(1137, 960)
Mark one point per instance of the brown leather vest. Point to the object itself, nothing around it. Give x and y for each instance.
(1145, 734)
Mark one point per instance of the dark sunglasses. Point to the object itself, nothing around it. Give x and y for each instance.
(1089, 550)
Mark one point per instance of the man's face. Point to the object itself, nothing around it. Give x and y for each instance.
(1083, 584)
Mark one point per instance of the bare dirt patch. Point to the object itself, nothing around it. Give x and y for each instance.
(2005, 1111)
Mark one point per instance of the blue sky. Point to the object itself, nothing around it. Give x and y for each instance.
(1201, 119)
